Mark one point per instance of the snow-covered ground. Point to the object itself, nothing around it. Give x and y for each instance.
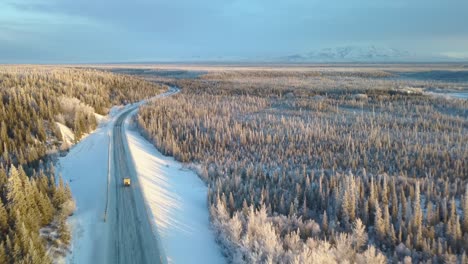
(460, 95)
(85, 169)
(67, 134)
(176, 198)
(457, 95)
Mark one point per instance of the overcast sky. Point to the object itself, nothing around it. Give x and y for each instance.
(155, 30)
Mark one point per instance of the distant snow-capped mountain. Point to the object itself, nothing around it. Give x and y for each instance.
(352, 54)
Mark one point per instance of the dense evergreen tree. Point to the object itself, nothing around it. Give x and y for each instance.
(28, 209)
(33, 99)
(331, 147)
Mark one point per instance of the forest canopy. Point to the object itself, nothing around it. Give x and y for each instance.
(323, 166)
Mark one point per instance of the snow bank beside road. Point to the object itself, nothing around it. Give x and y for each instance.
(85, 169)
(177, 200)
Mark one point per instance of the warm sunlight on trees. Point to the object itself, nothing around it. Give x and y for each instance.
(300, 169)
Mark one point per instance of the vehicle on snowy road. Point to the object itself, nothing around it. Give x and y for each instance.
(126, 181)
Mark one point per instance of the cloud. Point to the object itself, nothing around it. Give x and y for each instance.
(122, 30)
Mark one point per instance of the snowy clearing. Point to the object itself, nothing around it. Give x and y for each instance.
(67, 134)
(176, 198)
(100, 118)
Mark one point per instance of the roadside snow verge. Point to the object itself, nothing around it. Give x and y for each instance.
(176, 198)
(85, 169)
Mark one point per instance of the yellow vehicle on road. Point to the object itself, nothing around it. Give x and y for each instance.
(126, 181)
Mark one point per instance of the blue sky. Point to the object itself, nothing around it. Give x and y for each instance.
(34, 31)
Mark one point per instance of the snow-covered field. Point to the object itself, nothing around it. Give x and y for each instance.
(460, 95)
(176, 198)
(456, 95)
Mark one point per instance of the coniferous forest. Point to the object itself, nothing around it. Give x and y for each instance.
(332, 166)
(34, 202)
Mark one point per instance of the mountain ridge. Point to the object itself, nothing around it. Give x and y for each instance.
(363, 54)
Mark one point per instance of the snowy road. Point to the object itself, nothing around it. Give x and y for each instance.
(162, 218)
(132, 239)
